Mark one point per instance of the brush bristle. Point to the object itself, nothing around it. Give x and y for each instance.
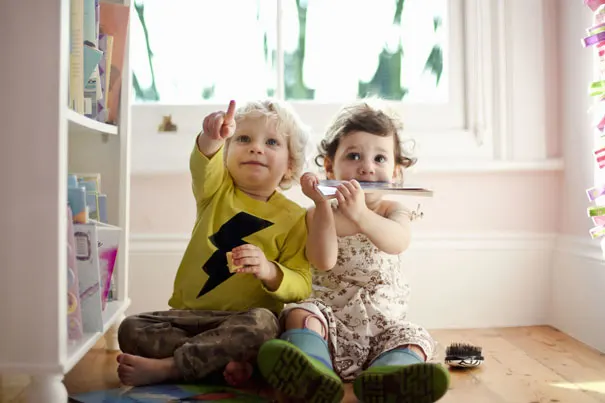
(462, 350)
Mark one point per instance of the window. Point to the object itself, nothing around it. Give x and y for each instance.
(190, 57)
(203, 51)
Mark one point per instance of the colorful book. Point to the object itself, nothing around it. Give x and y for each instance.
(74, 313)
(90, 30)
(76, 56)
(171, 393)
(105, 46)
(89, 279)
(92, 85)
(114, 22)
(328, 188)
(108, 238)
(92, 57)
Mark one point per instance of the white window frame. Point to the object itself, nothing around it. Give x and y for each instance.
(500, 125)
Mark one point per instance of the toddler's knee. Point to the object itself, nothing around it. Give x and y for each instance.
(266, 320)
(302, 319)
(127, 334)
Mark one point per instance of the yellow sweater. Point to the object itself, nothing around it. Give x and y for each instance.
(226, 218)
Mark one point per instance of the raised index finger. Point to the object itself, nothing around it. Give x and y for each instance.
(230, 112)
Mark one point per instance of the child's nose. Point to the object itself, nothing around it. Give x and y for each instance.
(256, 148)
(366, 167)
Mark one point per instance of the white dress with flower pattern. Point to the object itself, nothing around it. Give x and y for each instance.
(364, 301)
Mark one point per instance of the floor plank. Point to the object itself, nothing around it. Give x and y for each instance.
(465, 385)
(518, 377)
(11, 387)
(522, 365)
(578, 366)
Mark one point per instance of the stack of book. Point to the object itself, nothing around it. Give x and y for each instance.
(96, 58)
(92, 248)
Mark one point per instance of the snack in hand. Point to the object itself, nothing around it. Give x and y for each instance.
(232, 268)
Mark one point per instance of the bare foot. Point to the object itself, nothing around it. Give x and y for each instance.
(237, 373)
(137, 371)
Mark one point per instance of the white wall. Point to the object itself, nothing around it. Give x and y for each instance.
(458, 280)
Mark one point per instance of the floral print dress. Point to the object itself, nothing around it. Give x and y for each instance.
(364, 300)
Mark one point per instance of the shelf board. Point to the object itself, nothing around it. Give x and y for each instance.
(112, 312)
(76, 350)
(84, 125)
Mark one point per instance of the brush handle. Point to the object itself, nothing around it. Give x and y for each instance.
(464, 357)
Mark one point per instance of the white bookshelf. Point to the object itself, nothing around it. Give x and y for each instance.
(84, 125)
(41, 140)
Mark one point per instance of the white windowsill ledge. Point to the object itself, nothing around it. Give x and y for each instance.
(445, 166)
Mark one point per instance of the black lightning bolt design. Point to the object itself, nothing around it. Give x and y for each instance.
(228, 237)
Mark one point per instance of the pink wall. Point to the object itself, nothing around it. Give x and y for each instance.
(465, 203)
(553, 74)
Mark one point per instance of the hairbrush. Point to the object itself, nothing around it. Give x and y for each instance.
(463, 355)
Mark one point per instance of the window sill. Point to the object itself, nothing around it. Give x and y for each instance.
(446, 166)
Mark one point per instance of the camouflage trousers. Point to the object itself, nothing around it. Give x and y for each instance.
(201, 342)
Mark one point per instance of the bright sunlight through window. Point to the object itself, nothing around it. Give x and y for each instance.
(598, 387)
(197, 51)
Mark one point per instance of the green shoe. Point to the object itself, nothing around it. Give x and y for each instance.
(289, 370)
(416, 383)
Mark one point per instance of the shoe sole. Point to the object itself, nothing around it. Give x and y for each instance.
(288, 370)
(417, 383)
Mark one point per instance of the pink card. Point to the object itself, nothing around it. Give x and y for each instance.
(594, 4)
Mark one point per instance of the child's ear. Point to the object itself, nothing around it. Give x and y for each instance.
(288, 173)
(328, 168)
(286, 180)
(398, 173)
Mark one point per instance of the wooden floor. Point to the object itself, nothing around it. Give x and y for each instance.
(522, 365)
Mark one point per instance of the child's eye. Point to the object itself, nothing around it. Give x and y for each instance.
(242, 138)
(381, 159)
(272, 142)
(353, 156)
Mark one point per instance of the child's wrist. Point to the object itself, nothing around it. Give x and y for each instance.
(362, 220)
(270, 272)
(273, 278)
(207, 138)
(207, 145)
(323, 203)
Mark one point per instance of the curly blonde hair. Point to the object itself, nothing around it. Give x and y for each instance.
(288, 124)
(371, 115)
